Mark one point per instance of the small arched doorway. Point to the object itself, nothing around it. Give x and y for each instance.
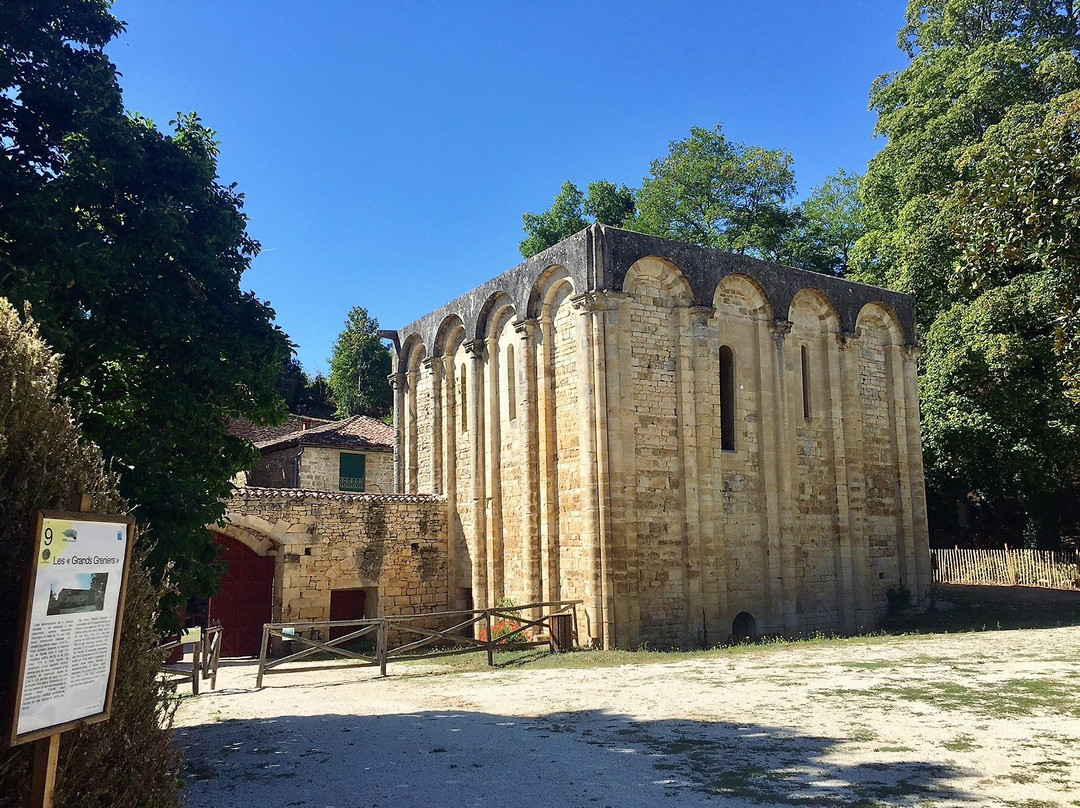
(744, 628)
(245, 597)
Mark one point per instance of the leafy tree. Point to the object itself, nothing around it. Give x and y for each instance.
(826, 226)
(1018, 212)
(359, 368)
(716, 193)
(971, 62)
(1000, 437)
(971, 208)
(572, 211)
(127, 761)
(303, 394)
(131, 251)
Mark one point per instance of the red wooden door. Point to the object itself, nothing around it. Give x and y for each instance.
(245, 597)
(346, 604)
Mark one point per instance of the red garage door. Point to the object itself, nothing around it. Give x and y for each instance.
(245, 597)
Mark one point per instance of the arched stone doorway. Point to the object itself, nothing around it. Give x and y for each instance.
(744, 628)
(245, 597)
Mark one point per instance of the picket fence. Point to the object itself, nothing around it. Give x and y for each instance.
(1007, 567)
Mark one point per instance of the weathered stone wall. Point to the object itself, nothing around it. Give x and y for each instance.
(601, 473)
(394, 543)
(320, 469)
(275, 470)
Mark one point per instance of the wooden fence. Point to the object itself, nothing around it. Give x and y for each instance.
(397, 638)
(205, 653)
(1008, 567)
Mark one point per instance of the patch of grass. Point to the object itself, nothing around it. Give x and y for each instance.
(1014, 697)
(894, 749)
(961, 743)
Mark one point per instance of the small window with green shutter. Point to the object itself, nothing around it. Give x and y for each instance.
(350, 472)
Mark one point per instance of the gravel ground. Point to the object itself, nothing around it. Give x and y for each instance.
(988, 718)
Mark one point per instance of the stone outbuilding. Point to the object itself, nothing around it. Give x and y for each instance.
(699, 445)
(355, 455)
(315, 532)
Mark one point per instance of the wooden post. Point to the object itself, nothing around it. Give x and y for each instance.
(196, 664)
(490, 639)
(47, 750)
(381, 642)
(262, 656)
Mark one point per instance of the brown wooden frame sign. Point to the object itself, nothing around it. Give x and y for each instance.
(72, 615)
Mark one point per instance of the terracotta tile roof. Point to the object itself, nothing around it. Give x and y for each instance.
(247, 491)
(358, 432)
(243, 428)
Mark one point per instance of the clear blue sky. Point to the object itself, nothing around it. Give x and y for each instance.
(387, 150)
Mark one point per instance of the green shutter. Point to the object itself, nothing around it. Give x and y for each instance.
(350, 472)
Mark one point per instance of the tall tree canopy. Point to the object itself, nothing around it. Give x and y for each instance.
(710, 191)
(826, 226)
(360, 367)
(972, 207)
(716, 193)
(131, 250)
(572, 211)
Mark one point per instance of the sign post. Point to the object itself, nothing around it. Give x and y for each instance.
(73, 611)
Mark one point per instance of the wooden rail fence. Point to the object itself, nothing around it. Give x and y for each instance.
(1007, 567)
(397, 638)
(205, 653)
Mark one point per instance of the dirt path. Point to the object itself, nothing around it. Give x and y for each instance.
(989, 718)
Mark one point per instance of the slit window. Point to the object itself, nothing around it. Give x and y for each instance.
(511, 384)
(727, 398)
(805, 382)
(463, 401)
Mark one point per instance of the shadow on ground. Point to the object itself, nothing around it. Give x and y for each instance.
(569, 759)
(971, 607)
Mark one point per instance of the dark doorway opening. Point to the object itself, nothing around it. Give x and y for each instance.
(744, 628)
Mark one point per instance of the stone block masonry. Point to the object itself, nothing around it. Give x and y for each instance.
(393, 545)
(699, 445)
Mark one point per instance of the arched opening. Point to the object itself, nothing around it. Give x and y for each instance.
(727, 398)
(744, 628)
(245, 597)
(511, 384)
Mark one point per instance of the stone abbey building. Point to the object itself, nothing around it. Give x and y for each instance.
(699, 445)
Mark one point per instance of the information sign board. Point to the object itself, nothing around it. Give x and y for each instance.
(71, 629)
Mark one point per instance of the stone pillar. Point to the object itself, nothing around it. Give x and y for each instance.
(898, 418)
(527, 412)
(855, 469)
(621, 474)
(604, 321)
(782, 542)
(481, 594)
(586, 359)
(691, 340)
(433, 366)
(546, 451)
(449, 425)
(913, 434)
(397, 381)
(844, 562)
(493, 469)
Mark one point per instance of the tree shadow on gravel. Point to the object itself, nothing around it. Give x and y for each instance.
(586, 758)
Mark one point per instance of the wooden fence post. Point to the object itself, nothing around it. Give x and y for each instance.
(262, 656)
(382, 641)
(490, 639)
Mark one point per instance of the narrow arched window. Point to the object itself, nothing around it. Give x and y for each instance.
(462, 397)
(805, 382)
(511, 384)
(727, 398)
